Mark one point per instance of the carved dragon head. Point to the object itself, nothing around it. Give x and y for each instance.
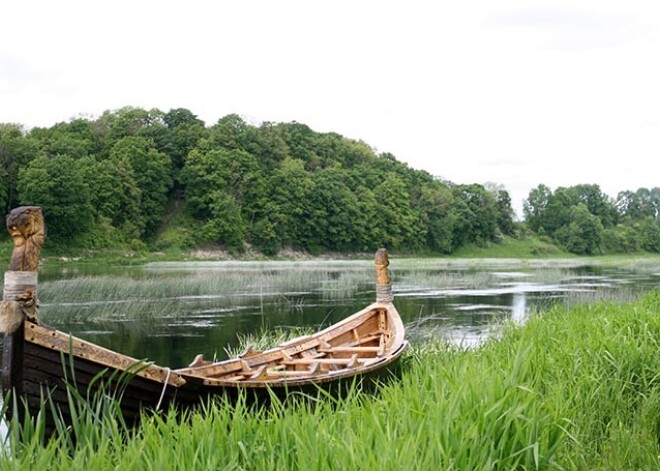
(25, 221)
(28, 230)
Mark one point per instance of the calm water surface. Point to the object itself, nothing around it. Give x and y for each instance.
(169, 312)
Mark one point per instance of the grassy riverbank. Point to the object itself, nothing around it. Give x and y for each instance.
(573, 389)
(509, 247)
(528, 248)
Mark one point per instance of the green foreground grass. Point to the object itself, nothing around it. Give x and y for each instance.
(575, 388)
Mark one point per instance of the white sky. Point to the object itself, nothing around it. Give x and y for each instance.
(512, 92)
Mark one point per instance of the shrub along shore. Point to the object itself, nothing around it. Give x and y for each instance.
(574, 388)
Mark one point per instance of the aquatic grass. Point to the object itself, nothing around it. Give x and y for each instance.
(484, 277)
(642, 263)
(490, 263)
(549, 275)
(625, 294)
(265, 339)
(165, 294)
(110, 288)
(108, 297)
(447, 279)
(346, 285)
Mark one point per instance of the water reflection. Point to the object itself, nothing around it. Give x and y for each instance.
(519, 312)
(170, 312)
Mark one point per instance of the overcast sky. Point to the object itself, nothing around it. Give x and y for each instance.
(513, 92)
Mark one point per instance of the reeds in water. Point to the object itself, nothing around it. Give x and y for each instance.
(168, 294)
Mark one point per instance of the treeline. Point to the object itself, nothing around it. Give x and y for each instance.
(584, 220)
(135, 176)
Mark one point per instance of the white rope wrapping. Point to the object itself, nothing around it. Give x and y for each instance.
(384, 293)
(17, 282)
(162, 394)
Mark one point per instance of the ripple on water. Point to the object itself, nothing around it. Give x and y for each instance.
(479, 307)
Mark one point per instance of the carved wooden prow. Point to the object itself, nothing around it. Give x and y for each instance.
(27, 229)
(383, 283)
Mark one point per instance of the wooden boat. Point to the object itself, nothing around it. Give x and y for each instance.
(40, 361)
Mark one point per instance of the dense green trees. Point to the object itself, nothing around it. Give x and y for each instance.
(649, 231)
(584, 233)
(286, 185)
(584, 220)
(216, 182)
(287, 211)
(639, 204)
(110, 180)
(478, 214)
(16, 151)
(56, 184)
(117, 179)
(151, 172)
(114, 194)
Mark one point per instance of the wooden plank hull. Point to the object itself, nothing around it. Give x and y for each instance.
(365, 345)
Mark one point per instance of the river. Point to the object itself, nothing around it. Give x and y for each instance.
(169, 312)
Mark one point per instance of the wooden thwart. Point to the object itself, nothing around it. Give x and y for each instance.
(351, 362)
(281, 371)
(350, 349)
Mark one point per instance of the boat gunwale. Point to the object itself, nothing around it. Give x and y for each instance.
(68, 344)
(397, 346)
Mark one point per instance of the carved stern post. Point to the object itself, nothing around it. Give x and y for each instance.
(27, 229)
(383, 283)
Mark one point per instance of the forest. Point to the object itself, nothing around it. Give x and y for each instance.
(151, 179)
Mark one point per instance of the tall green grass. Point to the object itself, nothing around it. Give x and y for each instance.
(575, 388)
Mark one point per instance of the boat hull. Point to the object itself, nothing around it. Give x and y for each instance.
(55, 366)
